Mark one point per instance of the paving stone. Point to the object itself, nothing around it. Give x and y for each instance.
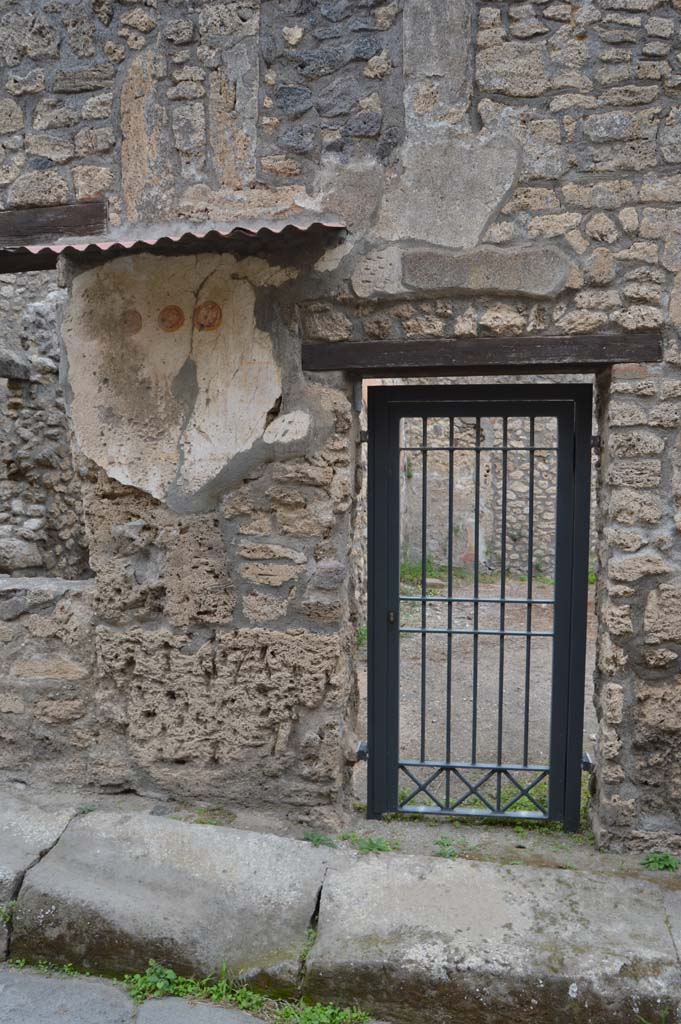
(28, 998)
(409, 938)
(179, 1011)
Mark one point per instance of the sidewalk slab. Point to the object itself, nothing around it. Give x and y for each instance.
(180, 1011)
(459, 942)
(29, 998)
(121, 889)
(27, 831)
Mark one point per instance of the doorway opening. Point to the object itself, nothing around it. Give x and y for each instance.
(478, 600)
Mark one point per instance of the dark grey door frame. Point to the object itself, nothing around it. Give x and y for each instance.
(571, 405)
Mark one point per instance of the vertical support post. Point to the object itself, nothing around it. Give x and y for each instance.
(383, 605)
(578, 612)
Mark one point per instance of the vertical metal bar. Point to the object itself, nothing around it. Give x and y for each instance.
(476, 593)
(383, 595)
(528, 620)
(450, 606)
(502, 605)
(579, 609)
(562, 611)
(424, 557)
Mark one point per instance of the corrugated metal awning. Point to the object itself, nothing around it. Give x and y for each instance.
(282, 238)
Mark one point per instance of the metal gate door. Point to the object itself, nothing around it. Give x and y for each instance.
(478, 575)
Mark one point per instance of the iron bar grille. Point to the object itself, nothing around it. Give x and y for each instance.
(477, 537)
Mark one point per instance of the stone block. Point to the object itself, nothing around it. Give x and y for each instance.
(97, 76)
(11, 116)
(639, 473)
(27, 831)
(411, 938)
(40, 998)
(534, 271)
(420, 204)
(662, 619)
(513, 69)
(635, 567)
(194, 898)
(39, 188)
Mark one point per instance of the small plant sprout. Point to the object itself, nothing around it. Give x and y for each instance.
(444, 847)
(318, 838)
(370, 844)
(658, 861)
(159, 981)
(6, 911)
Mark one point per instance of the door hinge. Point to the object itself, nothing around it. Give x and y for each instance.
(587, 764)
(595, 443)
(362, 752)
(364, 436)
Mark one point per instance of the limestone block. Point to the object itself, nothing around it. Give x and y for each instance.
(194, 898)
(636, 443)
(437, 46)
(513, 69)
(324, 324)
(39, 188)
(270, 574)
(610, 657)
(421, 204)
(422, 939)
(537, 271)
(612, 703)
(11, 116)
(633, 567)
(662, 619)
(658, 711)
(635, 473)
(162, 410)
(629, 506)
(16, 553)
(235, 692)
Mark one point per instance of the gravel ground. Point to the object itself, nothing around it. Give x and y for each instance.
(462, 659)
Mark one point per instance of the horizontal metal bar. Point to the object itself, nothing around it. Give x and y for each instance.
(478, 600)
(481, 765)
(482, 448)
(474, 632)
(471, 812)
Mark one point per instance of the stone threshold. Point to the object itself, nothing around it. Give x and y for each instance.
(405, 938)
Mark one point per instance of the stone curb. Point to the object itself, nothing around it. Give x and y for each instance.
(120, 889)
(406, 938)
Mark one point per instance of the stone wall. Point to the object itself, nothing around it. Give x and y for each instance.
(502, 169)
(41, 518)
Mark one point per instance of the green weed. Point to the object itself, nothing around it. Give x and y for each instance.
(158, 981)
(362, 636)
(6, 911)
(445, 848)
(318, 838)
(316, 1013)
(658, 861)
(369, 844)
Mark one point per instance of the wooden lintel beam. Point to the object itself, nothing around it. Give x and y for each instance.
(41, 225)
(461, 356)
